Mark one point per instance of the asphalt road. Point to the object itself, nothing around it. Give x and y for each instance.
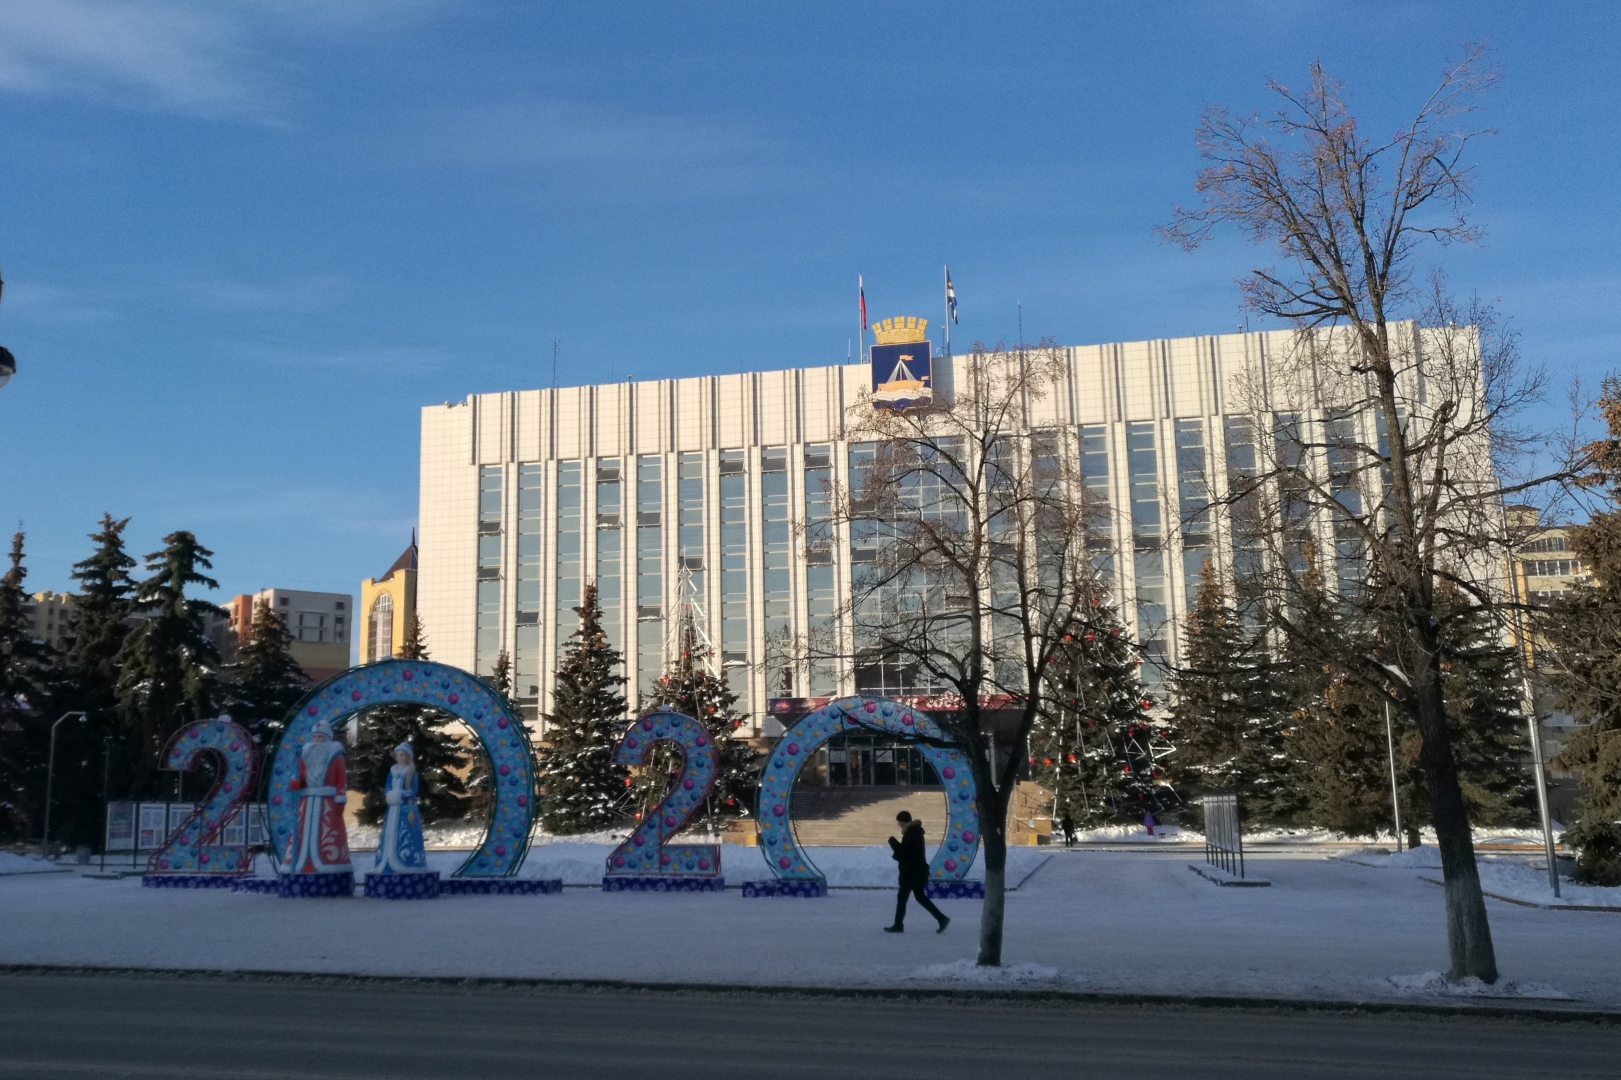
(138, 1026)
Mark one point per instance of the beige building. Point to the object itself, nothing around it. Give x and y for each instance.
(46, 615)
(385, 604)
(320, 623)
(697, 492)
(1544, 567)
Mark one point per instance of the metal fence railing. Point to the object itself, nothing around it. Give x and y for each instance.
(1223, 840)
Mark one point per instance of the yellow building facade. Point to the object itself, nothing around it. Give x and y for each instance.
(386, 605)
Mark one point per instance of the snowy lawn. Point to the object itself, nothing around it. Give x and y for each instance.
(1506, 875)
(12, 863)
(1088, 920)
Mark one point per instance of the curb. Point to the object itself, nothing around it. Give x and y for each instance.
(1496, 1009)
(1532, 903)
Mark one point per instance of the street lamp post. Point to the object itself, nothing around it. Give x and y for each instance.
(50, 777)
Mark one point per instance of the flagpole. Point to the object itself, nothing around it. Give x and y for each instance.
(948, 312)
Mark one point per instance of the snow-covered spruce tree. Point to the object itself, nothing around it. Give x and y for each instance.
(501, 675)
(85, 675)
(581, 787)
(168, 667)
(1094, 744)
(1228, 714)
(688, 686)
(443, 765)
(24, 710)
(264, 682)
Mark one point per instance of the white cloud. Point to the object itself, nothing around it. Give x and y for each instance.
(663, 155)
(202, 57)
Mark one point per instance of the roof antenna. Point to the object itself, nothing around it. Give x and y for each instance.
(556, 344)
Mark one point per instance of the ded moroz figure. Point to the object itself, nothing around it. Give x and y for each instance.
(399, 849)
(321, 845)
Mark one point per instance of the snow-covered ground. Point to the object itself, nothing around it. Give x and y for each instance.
(1511, 876)
(582, 863)
(1176, 834)
(1087, 920)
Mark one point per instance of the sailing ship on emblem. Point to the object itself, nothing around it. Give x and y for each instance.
(902, 375)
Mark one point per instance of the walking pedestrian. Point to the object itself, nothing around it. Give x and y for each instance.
(909, 852)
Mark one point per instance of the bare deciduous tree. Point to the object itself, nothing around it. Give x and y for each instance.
(1383, 444)
(969, 545)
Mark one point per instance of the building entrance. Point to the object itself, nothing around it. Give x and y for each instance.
(868, 761)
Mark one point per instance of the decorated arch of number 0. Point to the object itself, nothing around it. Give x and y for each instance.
(451, 690)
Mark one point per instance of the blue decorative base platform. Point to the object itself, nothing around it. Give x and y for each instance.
(317, 884)
(500, 886)
(955, 890)
(409, 886)
(268, 885)
(632, 883)
(189, 881)
(785, 887)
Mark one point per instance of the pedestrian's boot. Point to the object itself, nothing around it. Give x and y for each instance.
(945, 921)
(896, 929)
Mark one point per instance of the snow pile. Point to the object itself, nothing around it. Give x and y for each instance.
(1134, 834)
(1434, 984)
(1521, 881)
(11, 863)
(966, 971)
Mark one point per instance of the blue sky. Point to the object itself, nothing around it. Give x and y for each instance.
(244, 242)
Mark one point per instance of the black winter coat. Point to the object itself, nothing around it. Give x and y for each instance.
(910, 853)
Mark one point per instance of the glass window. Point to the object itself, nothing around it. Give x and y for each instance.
(487, 634)
(649, 573)
(1142, 460)
(1193, 487)
(526, 636)
(777, 530)
(610, 551)
(821, 584)
(734, 574)
(381, 628)
(568, 550)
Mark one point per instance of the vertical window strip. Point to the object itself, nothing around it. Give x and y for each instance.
(776, 534)
(820, 581)
(487, 624)
(610, 550)
(734, 575)
(1193, 487)
(1095, 480)
(569, 537)
(526, 636)
(649, 573)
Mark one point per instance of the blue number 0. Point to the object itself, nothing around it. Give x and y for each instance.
(783, 854)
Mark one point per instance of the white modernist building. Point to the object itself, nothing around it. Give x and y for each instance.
(694, 488)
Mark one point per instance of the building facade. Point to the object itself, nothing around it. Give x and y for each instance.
(698, 492)
(46, 615)
(386, 605)
(320, 623)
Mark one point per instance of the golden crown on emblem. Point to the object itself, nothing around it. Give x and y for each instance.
(901, 331)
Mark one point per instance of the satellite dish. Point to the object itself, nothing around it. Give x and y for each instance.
(8, 365)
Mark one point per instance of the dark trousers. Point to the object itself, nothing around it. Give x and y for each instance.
(918, 890)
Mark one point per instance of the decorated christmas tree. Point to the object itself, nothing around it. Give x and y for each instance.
(1095, 746)
(690, 687)
(581, 787)
(443, 764)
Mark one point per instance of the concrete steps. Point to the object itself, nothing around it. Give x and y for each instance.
(855, 816)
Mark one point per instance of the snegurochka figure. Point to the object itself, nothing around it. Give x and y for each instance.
(400, 849)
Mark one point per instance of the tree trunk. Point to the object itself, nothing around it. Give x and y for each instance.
(993, 808)
(1469, 933)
